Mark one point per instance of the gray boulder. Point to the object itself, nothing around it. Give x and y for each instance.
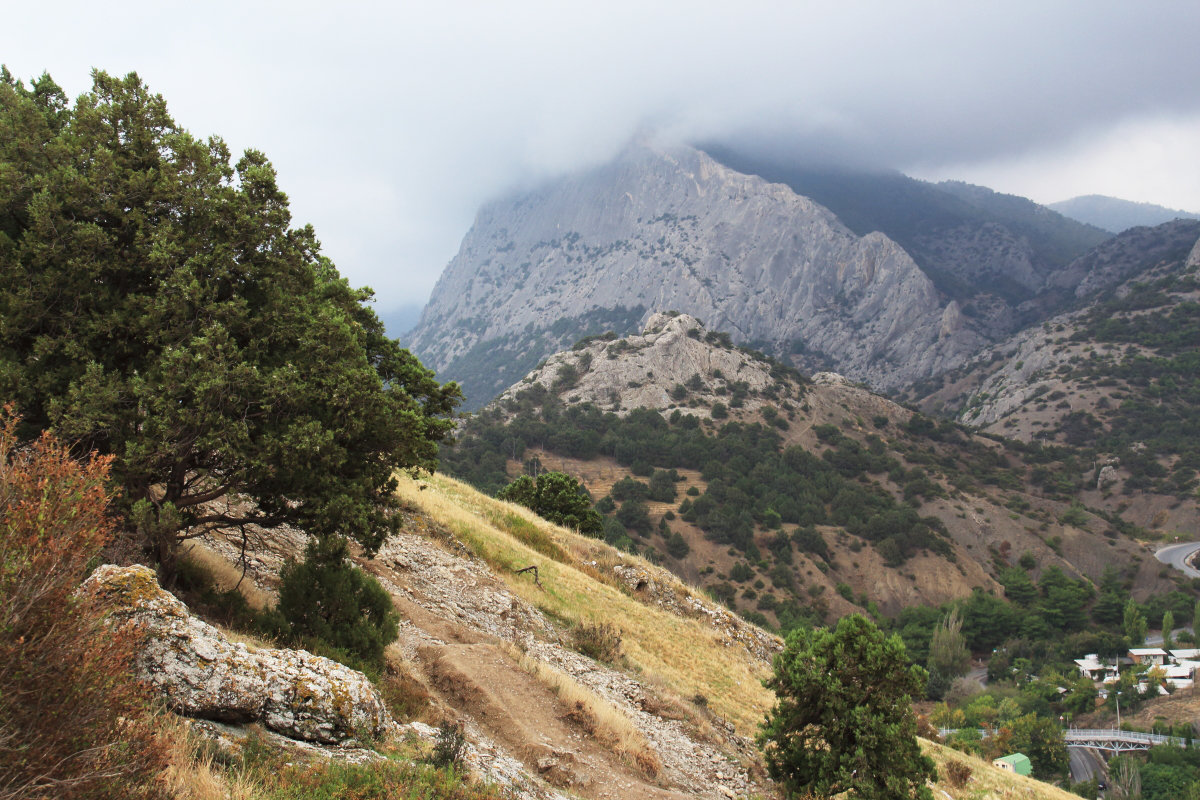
(202, 674)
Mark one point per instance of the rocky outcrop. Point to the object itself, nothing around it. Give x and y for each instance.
(642, 371)
(202, 674)
(657, 586)
(669, 228)
(1027, 366)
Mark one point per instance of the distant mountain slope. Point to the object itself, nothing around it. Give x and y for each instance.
(1116, 377)
(1116, 215)
(734, 470)
(990, 251)
(671, 228)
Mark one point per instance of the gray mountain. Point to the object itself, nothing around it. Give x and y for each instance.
(670, 228)
(1116, 215)
(996, 254)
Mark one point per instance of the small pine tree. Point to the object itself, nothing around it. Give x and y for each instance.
(677, 546)
(329, 603)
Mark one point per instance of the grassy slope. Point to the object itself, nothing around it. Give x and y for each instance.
(685, 654)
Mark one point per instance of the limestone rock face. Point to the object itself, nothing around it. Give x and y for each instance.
(203, 674)
(668, 228)
(1193, 259)
(640, 371)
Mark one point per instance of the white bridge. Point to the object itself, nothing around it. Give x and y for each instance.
(1118, 741)
(1110, 739)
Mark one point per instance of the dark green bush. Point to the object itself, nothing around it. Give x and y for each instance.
(326, 600)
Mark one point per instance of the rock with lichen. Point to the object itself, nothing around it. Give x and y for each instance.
(202, 674)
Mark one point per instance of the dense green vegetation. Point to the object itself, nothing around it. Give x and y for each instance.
(1030, 639)
(753, 482)
(156, 304)
(556, 497)
(326, 600)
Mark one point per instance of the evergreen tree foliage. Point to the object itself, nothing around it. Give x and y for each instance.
(1168, 625)
(843, 719)
(327, 599)
(157, 304)
(557, 497)
(1134, 622)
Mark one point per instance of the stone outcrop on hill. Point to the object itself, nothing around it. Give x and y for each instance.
(1008, 376)
(641, 371)
(670, 228)
(202, 674)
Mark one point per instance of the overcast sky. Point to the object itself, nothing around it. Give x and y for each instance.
(390, 123)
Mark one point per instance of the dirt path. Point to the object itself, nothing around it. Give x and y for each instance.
(516, 710)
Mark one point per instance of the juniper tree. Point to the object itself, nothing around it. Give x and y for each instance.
(158, 305)
(843, 718)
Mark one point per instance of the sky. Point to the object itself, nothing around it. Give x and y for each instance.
(391, 123)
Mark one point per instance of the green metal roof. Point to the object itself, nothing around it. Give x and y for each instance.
(1019, 762)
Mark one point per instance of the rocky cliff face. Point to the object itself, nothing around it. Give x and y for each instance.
(670, 228)
(992, 252)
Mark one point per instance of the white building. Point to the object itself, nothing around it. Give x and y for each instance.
(1148, 655)
(1091, 667)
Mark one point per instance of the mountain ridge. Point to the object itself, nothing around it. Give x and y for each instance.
(1115, 214)
(672, 228)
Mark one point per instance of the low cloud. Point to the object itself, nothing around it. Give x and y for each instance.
(391, 125)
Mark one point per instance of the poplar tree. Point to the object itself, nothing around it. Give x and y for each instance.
(1134, 623)
(948, 655)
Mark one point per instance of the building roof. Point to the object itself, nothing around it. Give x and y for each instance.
(1147, 651)
(1018, 761)
(1185, 655)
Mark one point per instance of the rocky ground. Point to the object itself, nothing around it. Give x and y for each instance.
(483, 654)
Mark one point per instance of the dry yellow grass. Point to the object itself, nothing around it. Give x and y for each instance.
(226, 576)
(988, 782)
(609, 725)
(190, 773)
(687, 655)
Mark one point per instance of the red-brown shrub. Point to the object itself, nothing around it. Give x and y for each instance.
(957, 774)
(73, 724)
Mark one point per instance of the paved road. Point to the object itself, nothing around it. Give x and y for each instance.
(1085, 763)
(1177, 556)
(1156, 640)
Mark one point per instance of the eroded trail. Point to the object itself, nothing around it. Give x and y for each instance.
(553, 738)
